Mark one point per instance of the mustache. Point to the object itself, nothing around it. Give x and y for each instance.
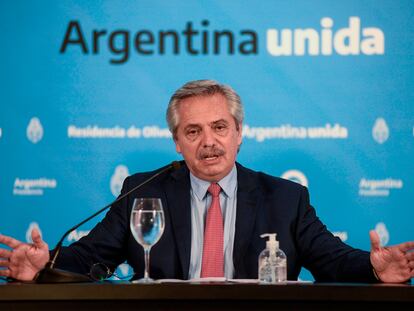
(209, 152)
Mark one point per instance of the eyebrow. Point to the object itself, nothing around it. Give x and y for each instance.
(219, 121)
(191, 125)
(210, 124)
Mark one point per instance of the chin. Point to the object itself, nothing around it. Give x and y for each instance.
(212, 175)
(216, 174)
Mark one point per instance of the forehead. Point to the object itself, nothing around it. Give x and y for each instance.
(203, 109)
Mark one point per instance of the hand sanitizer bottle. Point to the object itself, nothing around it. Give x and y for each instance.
(272, 261)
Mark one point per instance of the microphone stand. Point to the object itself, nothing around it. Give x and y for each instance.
(49, 274)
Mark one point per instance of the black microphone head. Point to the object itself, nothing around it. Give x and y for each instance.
(175, 165)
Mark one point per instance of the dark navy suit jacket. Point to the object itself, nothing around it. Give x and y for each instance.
(265, 204)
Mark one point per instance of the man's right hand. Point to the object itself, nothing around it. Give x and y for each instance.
(23, 260)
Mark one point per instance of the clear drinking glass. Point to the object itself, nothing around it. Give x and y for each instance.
(147, 226)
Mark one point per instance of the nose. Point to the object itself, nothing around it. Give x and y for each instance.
(208, 138)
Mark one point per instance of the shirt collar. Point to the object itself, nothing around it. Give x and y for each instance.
(228, 184)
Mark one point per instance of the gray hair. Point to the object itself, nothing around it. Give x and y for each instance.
(203, 88)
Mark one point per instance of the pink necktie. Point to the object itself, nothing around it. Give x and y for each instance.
(213, 250)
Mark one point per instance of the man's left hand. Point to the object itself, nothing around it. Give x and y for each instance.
(393, 264)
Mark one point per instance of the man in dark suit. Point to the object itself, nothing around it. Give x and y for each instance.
(215, 211)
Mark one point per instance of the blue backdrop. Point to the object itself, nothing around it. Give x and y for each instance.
(327, 88)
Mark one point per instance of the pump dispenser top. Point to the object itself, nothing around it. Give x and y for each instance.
(272, 261)
(272, 244)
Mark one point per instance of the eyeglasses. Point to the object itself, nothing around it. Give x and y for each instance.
(100, 272)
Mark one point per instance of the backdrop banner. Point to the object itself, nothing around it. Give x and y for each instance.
(327, 88)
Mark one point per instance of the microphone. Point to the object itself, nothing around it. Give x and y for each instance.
(51, 275)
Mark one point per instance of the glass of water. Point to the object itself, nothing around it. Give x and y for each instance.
(147, 226)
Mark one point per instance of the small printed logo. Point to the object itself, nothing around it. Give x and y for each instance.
(380, 131)
(383, 233)
(378, 187)
(76, 235)
(343, 235)
(33, 187)
(296, 176)
(33, 225)
(34, 130)
(117, 179)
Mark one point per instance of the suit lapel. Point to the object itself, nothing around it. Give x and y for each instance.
(248, 199)
(179, 205)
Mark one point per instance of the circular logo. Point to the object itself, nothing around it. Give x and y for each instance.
(296, 176)
(117, 179)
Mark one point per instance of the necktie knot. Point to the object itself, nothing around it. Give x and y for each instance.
(214, 189)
